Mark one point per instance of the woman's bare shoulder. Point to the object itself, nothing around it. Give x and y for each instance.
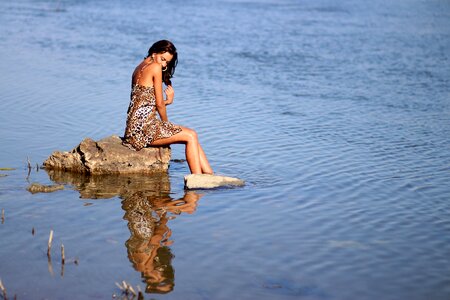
(144, 74)
(152, 68)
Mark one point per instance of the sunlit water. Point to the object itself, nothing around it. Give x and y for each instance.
(336, 113)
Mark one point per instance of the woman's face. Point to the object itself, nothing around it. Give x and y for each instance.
(162, 58)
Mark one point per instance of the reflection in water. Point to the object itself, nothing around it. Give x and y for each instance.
(108, 186)
(148, 208)
(148, 245)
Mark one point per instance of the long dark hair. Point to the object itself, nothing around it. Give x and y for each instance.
(161, 47)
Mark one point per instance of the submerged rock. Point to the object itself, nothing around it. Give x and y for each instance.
(39, 188)
(109, 156)
(206, 181)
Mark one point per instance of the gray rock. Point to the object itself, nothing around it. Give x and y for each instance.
(109, 156)
(206, 181)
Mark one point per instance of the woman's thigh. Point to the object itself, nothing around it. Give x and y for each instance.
(180, 138)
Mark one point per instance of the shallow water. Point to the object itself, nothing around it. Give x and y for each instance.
(336, 115)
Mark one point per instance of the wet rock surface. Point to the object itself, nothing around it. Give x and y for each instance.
(109, 156)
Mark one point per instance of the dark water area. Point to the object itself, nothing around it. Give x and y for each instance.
(337, 115)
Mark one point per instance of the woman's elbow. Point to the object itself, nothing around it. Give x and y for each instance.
(161, 107)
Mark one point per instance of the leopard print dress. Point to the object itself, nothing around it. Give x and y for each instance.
(143, 126)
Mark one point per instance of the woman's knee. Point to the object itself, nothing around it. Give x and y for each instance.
(191, 134)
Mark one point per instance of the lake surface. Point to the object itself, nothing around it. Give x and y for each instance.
(337, 115)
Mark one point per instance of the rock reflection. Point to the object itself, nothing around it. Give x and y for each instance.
(108, 186)
(148, 208)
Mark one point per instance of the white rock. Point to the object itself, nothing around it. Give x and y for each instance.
(206, 181)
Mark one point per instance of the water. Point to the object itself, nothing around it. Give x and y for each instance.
(336, 114)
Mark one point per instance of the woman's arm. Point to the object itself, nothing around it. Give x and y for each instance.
(157, 83)
(170, 93)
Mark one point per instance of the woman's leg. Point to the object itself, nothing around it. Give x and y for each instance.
(206, 168)
(189, 138)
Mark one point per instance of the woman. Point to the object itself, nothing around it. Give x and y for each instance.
(143, 127)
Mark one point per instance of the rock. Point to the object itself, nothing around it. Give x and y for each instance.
(39, 188)
(109, 156)
(206, 181)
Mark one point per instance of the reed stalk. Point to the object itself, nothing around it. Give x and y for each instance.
(29, 167)
(128, 289)
(63, 256)
(50, 239)
(2, 288)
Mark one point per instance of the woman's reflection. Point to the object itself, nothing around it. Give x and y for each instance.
(148, 246)
(148, 208)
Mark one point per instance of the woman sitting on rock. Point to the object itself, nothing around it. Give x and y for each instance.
(143, 127)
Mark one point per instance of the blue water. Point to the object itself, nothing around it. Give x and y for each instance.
(337, 115)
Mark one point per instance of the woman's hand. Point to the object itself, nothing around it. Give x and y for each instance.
(170, 93)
